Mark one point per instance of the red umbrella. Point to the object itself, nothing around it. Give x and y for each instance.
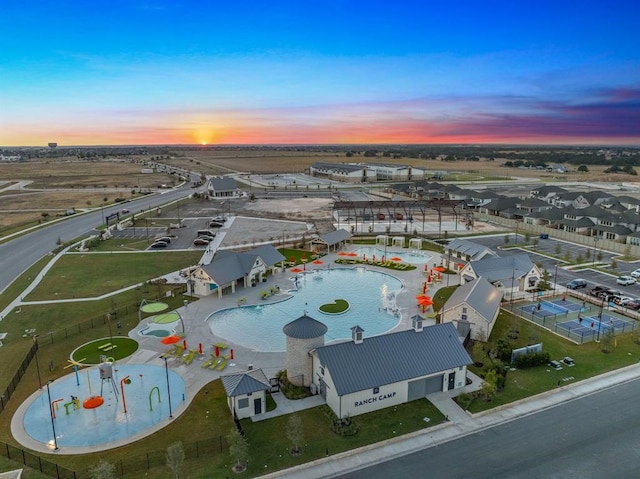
(343, 253)
(216, 351)
(170, 339)
(200, 348)
(184, 344)
(353, 253)
(440, 269)
(395, 258)
(231, 354)
(318, 261)
(424, 287)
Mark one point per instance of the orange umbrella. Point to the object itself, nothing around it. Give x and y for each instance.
(343, 253)
(440, 269)
(353, 253)
(296, 270)
(395, 258)
(318, 261)
(422, 296)
(170, 339)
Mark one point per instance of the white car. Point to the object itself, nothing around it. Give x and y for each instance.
(625, 280)
(636, 273)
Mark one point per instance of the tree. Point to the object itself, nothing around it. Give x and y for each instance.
(238, 449)
(544, 283)
(583, 169)
(506, 239)
(490, 385)
(614, 264)
(175, 458)
(103, 470)
(558, 248)
(295, 433)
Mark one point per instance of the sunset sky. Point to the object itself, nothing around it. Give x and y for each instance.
(319, 72)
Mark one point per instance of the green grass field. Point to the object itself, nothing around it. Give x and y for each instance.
(337, 307)
(87, 275)
(116, 347)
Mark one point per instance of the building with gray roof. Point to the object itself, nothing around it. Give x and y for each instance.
(473, 308)
(367, 374)
(246, 392)
(222, 187)
(461, 251)
(228, 268)
(303, 335)
(508, 273)
(331, 241)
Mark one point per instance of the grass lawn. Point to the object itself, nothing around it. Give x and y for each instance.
(589, 358)
(89, 353)
(338, 306)
(88, 275)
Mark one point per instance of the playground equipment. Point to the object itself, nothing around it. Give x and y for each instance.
(75, 402)
(123, 381)
(157, 390)
(54, 407)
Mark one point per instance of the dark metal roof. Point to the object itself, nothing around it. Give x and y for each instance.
(394, 357)
(305, 327)
(245, 382)
(335, 237)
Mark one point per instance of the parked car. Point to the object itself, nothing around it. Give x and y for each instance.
(595, 291)
(626, 280)
(158, 244)
(555, 365)
(165, 239)
(622, 300)
(216, 224)
(610, 294)
(220, 219)
(576, 284)
(201, 242)
(635, 304)
(635, 273)
(568, 361)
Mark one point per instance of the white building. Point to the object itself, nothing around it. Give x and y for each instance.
(246, 392)
(364, 375)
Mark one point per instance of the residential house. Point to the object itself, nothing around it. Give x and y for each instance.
(473, 308)
(510, 274)
(223, 187)
(462, 251)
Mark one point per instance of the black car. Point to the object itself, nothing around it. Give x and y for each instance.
(576, 284)
(158, 244)
(596, 291)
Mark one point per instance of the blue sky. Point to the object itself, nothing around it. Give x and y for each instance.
(148, 72)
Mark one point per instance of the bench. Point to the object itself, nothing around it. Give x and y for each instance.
(104, 347)
(110, 347)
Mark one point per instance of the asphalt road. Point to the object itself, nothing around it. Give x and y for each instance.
(19, 254)
(591, 437)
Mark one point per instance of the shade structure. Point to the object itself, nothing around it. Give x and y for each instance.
(170, 339)
(295, 270)
(153, 307)
(395, 258)
(166, 318)
(318, 261)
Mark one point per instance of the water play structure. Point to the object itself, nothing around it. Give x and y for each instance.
(131, 399)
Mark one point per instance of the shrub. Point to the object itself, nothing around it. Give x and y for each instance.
(342, 427)
(531, 360)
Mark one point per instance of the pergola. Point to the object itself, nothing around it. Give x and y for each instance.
(409, 211)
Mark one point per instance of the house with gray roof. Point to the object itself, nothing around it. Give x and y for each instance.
(367, 374)
(228, 268)
(331, 241)
(546, 192)
(223, 187)
(461, 251)
(510, 274)
(246, 392)
(473, 308)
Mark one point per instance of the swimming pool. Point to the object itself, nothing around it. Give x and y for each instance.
(145, 397)
(159, 330)
(413, 257)
(371, 295)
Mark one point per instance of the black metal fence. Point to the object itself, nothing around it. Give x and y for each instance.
(36, 462)
(22, 369)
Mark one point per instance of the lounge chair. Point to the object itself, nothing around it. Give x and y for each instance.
(221, 365)
(215, 363)
(188, 359)
(209, 362)
(178, 352)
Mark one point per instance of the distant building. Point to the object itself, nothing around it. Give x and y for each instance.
(223, 187)
(53, 145)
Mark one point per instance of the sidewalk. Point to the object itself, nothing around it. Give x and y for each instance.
(460, 424)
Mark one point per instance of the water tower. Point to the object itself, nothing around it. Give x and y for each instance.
(303, 335)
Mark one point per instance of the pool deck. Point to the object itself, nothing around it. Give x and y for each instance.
(198, 331)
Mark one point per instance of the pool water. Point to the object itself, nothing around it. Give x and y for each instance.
(371, 295)
(413, 257)
(108, 423)
(159, 330)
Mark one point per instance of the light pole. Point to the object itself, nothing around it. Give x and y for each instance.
(555, 278)
(595, 245)
(600, 318)
(53, 423)
(35, 355)
(166, 368)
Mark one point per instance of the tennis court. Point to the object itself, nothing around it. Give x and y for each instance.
(576, 319)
